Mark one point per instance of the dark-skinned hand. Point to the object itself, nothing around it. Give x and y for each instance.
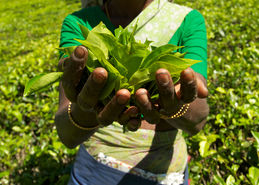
(171, 97)
(86, 108)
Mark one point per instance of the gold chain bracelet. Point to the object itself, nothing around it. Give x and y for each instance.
(180, 113)
(75, 124)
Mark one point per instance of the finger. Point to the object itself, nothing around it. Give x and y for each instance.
(146, 107)
(167, 98)
(89, 95)
(61, 64)
(188, 89)
(114, 108)
(134, 124)
(74, 65)
(73, 68)
(201, 86)
(131, 112)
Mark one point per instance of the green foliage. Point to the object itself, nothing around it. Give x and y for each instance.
(30, 151)
(254, 175)
(41, 81)
(233, 55)
(111, 52)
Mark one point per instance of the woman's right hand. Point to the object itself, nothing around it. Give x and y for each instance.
(85, 108)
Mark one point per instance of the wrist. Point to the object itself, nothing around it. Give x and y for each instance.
(180, 113)
(194, 119)
(83, 118)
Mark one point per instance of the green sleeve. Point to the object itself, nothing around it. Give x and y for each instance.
(70, 30)
(88, 17)
(192, 35)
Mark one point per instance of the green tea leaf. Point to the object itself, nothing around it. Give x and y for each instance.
(100, 56)
(92, 63)
(4, 173)
(109, 86)
(132, 64)
(180, 55)
(84, 30)
(129, 63)
(157, 53)
(122, 70)
(122, 35)
(41, 81)
(182, 63)
(116, 49)
(154, 97)
(219, 180)
(140, 49)
(122, 84)
(174, 66)
(139, 77)
(256, 136)
(118, 84)
(205, 143)
(173, 69)
(230, 180)
(113, 73)
(221, 90)
(131, 38)
(253, 175)
(94, 39)
(16, 129)
(101, 28)
(118, 32)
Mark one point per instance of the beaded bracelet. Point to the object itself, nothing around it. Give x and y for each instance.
(180, 113)
(75, 124)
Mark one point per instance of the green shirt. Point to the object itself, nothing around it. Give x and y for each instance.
(191, 33)
(166, 151)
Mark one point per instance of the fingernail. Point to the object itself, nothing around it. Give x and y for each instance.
(143, 99)
(122, 99)
(188, 76)
(79, 52)
(98, 78)
(163, 78)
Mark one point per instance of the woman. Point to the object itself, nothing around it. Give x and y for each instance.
(155, 153)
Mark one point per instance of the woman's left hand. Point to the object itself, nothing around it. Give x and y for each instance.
(191, 87)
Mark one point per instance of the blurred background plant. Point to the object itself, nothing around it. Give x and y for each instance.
(225, 152)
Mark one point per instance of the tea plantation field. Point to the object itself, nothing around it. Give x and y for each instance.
(225, 152)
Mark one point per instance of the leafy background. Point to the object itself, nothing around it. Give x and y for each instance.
(225, 152)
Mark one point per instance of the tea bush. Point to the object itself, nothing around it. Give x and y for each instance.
(30, 151)
(225, 152)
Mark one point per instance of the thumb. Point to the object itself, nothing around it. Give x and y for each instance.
(78, 60)
(202, 89)
(73, 68)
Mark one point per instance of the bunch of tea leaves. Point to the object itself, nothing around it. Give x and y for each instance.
(130, 64)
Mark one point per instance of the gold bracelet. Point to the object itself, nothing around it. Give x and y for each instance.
(180, 113)
(75, 124)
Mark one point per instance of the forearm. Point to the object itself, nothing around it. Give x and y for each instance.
(194, 119)
(68, 133)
